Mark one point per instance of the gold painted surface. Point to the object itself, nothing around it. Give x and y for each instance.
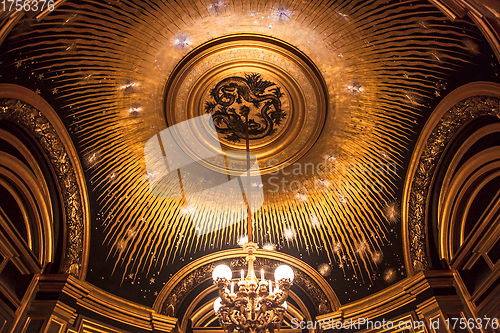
(122, 67)
(196, 272)
(38, 125)
(304, 99)
(438, 133)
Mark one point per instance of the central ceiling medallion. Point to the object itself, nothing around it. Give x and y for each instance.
(278, 86)
(235, 97)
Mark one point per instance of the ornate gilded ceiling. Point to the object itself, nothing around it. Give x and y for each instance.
(278, 85)
(337, 93)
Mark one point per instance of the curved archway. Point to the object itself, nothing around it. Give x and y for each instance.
(28, 111)
(457, 109)
(464, 188)
(190, 290)
(28, 193)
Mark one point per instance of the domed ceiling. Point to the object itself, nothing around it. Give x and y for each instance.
(336, 94)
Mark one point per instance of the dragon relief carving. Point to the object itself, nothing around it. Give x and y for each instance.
(235, 98)
(454, 119)
(38, 125)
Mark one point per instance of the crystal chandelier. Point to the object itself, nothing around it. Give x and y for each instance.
(256, 305)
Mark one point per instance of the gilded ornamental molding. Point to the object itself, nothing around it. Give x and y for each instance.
(46, 128)
(38, 125)
(280, 89)
(460, 107)
(306, 278)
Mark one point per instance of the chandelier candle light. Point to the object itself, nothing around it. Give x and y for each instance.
(256, 306)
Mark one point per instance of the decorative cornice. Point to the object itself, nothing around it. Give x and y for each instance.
(42, 129)
(101, 303)
(450, 123)
(396, 296)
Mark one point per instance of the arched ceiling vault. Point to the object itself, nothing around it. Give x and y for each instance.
(357, 81)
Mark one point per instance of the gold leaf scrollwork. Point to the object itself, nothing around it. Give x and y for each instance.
(454, 119)
(37, 124)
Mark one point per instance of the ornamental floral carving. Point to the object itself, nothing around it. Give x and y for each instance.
(453, 120)
(37, 124)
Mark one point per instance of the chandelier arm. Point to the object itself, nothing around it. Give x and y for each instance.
(283, 295)
(267, 321)
(281, 298)
(258, 313)
(225, 297)
(233, 319)
(248, 314)
(243, 323)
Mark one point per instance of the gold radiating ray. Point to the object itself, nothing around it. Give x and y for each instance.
(378, 44)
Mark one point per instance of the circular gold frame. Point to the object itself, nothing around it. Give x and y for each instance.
(307, 95)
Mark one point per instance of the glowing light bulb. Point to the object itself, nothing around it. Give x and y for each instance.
(222, 272)
(283, 272)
